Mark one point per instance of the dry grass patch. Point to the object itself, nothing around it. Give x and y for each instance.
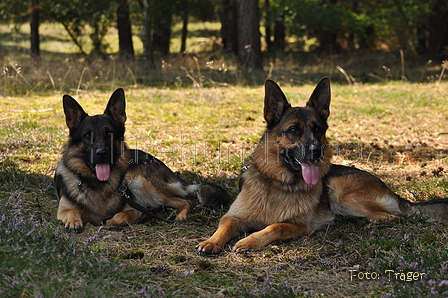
(397, 131)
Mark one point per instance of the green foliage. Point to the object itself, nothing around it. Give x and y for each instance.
(14, 11)
(394, 23)
(81, 18)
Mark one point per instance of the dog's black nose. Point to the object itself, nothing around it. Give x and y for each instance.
(101, 153)
(315, 151)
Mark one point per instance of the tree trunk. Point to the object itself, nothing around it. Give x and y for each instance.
(249, 51)
(126, 47)
(279, 36)
(162, 33)
(229, 26)
(267, 25)
(97, 40)
(34, 26)
(328, 42)
(74, 38)
(146, 34)
(327, 37)
(183, 44)
(438, 30)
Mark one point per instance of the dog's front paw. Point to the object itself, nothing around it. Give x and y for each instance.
(247, 244)
(208, 247)
(73, 222)
(76, 226)
(70, 215)
(181, 216)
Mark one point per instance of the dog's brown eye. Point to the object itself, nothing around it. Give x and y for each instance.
(293, 129)
(316, 129)
(88, 135)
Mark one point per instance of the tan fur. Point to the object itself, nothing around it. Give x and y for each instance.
(276, 201)
(167, 195)
(98, 174)
(145, 193)
(270, 200)
(69, 214)
(99, 203)
(128, 216)
(347, 191)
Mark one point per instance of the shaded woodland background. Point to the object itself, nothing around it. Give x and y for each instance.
(251, 32)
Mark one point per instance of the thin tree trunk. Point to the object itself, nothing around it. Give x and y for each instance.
(267, 25)
(185, 14)
(34, 26)
(229, 26)
(279, 36)
(438, 30)
(73, 38)
(146, 34)
(126, 46)
(249, 51)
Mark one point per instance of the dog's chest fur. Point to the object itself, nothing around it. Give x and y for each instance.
(98, 204)
(276, 201)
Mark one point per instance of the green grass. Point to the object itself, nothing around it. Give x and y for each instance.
(177, 125)
(396, 130)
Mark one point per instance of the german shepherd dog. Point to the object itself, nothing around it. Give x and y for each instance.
(99, 178)
(288, 186)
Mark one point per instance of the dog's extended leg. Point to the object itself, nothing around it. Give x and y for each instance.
(380, 217)
(228, 228)
(126, 217)
(274, 232)
(70, 215)
(180, 204)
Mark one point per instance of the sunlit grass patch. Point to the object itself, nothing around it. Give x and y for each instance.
(205, 134)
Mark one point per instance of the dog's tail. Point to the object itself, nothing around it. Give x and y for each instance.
(436, 210)
(209, 195)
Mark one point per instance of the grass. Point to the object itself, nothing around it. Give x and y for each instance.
(396, 130)
(158, 259)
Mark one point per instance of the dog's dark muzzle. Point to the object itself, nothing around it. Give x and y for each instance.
(303, 153)
(315, 152)
(100, 156)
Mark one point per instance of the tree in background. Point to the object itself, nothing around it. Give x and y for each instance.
(335, 26)
(162, 21)
(229, 26)
(84, 18)
(146, 35)
(437, 36)
(184, 6)
(419, 26)
(34, 28)
(275, 25)
(124, 26)
(156, 28)
(200, 10)
(249, 48)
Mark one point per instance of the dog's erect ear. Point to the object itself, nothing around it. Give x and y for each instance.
(320, 99)
(275, 103)
(116, 107)
(74, 113)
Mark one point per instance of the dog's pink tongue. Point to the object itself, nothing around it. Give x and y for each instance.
(102, 171)
(310, 173)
